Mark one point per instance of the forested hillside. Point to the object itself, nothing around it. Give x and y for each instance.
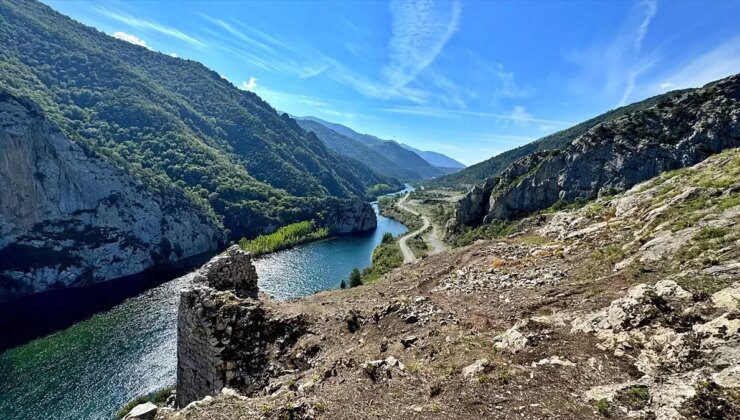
(479, 172)
(173, 123)
(354, 149)
(389, 149)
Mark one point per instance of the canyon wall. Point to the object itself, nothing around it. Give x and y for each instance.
(69, 218)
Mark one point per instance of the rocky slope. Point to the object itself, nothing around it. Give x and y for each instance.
(68, 218)
(624, 308)
(614, 155)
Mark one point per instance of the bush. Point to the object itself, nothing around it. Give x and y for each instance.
(387, 238)
(355, 279)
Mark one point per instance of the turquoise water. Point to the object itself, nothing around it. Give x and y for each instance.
(89, 370)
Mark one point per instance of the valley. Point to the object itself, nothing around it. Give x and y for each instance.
(231, 210)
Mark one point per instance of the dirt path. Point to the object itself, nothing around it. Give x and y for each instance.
(433, 239)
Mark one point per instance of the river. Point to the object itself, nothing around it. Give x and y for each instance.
(90, 369)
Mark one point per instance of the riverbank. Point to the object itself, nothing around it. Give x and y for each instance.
(93, 367)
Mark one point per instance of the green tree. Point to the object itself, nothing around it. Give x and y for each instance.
(342, 285)
(387, 238)
(355, 279)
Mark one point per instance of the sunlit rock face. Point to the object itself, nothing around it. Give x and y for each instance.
(613, 156)
(69, 218)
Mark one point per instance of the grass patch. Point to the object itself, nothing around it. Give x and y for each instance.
(284, 238)
(635, 398)
(495, 229)
(704, 286)
(603, 407)
(611, 254)
(386, 257)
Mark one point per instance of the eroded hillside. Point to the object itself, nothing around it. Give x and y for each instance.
(625, 307)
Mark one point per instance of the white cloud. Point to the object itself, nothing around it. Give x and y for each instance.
(520, 116)
(174, 55)
(123, 36)
(249, 85)
(720, 62)
(240, 35)
(420, 29)
(613, 67)
(151, 26)
(517, 114)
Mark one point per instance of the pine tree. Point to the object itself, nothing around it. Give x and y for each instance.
(355, 279)
(342, 285)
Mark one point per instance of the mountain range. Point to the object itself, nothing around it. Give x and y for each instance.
(384, 156)
(131, 147)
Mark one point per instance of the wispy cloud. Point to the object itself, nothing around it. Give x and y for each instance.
(238, 34)
(614, 67)
(420, 29)
(721, 61)
(151, 26)
(123, 36)
(517, 114)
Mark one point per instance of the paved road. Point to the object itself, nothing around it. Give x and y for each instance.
(437, 245)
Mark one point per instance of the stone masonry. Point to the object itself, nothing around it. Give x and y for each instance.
(227, 337)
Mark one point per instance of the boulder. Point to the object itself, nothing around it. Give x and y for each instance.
(146, 411)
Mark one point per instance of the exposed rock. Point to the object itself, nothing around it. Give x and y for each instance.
(642, 303)
(146, 411)
(226, 338)
(69, 218)
(350, 216)
(513, 340)
(728, 298)
(476, 368)
(554, 360)
(613, 156)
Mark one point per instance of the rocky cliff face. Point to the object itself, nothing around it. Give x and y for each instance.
(614, 156)
(350, 216)
(70, 219)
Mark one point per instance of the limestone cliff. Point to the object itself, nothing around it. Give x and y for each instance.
(69, 219)
(613, 156)
(348, 216)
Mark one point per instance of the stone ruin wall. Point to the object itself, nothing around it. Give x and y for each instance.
(227, 337)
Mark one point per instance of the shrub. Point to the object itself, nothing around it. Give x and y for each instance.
(355, 279)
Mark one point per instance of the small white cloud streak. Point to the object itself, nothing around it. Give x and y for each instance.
(151, 26)
(240, 35)
(420, 29)
(133, 39)
(720, 62)
(515, 115)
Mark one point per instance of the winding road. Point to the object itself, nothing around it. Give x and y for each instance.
(437, 245)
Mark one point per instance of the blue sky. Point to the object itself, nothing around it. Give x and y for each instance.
(468, 79)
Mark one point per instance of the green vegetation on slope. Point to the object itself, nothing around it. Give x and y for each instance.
(386, 257)
(478, 173)
(356, 150)
(285, 237)
(174, 124)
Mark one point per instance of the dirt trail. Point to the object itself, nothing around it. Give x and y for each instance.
(433, 239)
